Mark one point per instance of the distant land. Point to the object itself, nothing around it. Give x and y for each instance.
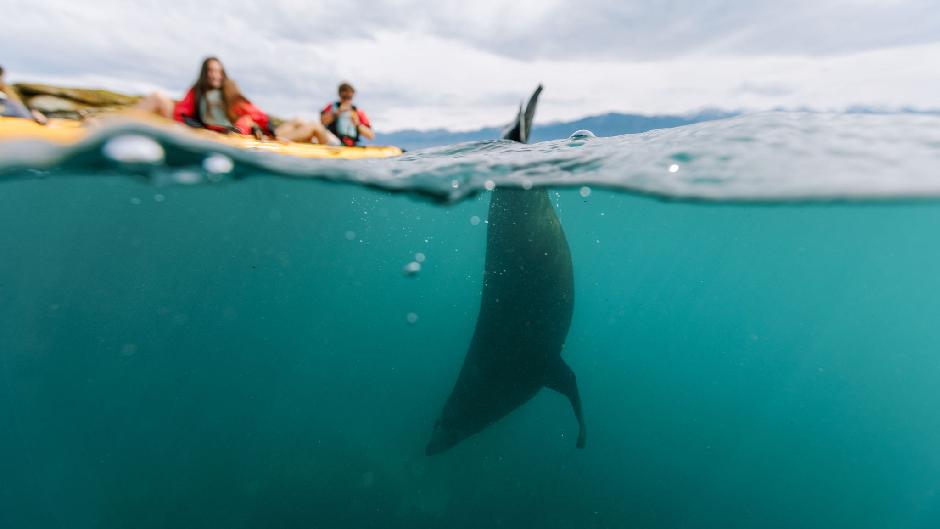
(611, 124)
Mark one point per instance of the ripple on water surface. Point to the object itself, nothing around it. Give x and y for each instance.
(766, 157)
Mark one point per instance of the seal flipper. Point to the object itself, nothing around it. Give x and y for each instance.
(519, 129)
(561, 378)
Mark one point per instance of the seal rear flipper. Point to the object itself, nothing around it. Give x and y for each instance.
(520, 128)
(561, 378)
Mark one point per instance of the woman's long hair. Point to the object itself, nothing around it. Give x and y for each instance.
(231, 95)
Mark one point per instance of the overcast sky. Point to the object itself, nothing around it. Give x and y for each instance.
(463, 65)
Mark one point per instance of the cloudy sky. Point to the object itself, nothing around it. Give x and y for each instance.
(462, 65)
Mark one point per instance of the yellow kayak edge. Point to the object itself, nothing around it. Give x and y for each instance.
(69, 133)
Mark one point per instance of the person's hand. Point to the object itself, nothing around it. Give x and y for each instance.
(39, 117)
(354, 117)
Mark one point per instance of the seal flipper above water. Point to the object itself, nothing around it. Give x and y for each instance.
(519, 129)
(562, 379)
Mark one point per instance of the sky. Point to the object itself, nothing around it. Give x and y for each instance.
(463, 65)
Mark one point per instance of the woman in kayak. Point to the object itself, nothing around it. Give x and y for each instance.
(214, 102)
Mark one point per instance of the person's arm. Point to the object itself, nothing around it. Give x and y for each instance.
(39, 117)
(249, 117)
(186, 107)
(362, 124)
(365, 130)
(327, 116)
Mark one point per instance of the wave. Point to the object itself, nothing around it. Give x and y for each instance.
(766, 157)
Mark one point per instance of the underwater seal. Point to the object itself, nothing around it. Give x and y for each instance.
(525, 313)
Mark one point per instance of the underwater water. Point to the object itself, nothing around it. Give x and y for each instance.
(182, 346)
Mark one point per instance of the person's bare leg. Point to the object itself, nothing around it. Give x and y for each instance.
(157, 103)
(320, 132)
(291, 131)
(301, 131)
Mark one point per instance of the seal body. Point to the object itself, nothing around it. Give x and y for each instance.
(525, 313)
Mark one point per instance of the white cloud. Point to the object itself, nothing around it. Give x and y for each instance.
(466, 65)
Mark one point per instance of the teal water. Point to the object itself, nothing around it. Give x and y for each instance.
(240, 355)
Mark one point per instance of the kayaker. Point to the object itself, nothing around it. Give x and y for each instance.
(12, 107)
(343, 119)
(214, 102)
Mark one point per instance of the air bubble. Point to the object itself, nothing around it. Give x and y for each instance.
(582, 134)
(218, 164)
(420, 257)
(411, 318)
(411, 269)
(133, 149)
(455, 184)
(475, 220)
(350, 235)
(527, 184)
(135, 201)
(674, 168)
(585, 191)
(159, 197)
(489, 185)
(187, 177)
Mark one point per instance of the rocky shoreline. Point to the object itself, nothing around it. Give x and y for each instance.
(78, 103)
(72, 103)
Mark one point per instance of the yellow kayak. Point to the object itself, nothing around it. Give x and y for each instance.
(67, 132)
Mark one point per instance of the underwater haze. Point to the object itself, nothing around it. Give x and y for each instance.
(197, 337)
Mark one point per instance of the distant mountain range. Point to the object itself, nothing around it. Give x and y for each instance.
(612, 124)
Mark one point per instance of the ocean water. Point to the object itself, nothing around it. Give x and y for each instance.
(233, 342)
